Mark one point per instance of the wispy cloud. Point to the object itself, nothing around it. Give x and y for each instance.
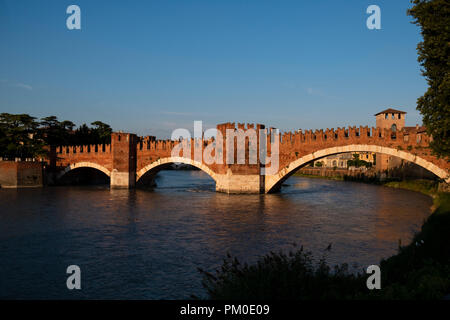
(16, 84)
(22, 85)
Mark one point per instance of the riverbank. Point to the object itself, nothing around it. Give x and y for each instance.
(420, 270)
(425, 186)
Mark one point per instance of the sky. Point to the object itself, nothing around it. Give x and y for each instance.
(149, 67)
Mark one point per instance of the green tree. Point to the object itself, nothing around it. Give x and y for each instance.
(102, 131)
(67, 125)
(83, 135)
(433, 17)
(67, 132)
(51, 131)
(22, 136)
(356, 162)
(18, 136)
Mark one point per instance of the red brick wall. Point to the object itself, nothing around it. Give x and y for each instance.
(132, 153)
(20, 174)
(99, 154)
(298, 144)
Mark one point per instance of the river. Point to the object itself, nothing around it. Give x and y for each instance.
(147, 244)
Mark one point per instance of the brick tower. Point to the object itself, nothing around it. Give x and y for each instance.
(394, 120)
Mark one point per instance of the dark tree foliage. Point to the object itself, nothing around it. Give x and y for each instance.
(23, 137)
(18, 136)
(101, 133)
(356, 162)
(52, 132)
(433, 17)
(281, 276)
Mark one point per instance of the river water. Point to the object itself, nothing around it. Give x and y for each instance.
(147, 244)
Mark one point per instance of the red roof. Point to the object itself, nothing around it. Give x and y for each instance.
(390, 110)
(417, 129)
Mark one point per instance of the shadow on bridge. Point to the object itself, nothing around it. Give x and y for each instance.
(83, 176)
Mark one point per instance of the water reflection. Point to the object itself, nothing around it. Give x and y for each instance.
(148, 243)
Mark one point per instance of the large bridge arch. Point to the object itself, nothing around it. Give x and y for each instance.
(77, 165)
(273, 182)
(169, 160)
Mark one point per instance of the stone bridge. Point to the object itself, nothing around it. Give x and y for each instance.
(130, 159)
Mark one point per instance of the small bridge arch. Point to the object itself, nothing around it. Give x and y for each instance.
(78, 165)
(156, 165)
(273, 182)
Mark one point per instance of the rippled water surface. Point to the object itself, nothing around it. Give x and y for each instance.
(142, 244)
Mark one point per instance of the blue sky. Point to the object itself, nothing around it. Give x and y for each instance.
(152, 66)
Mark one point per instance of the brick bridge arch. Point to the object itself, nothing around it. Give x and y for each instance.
(161, 163)
(84, 164)
(273, 182)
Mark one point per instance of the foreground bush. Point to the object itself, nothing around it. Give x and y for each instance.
(282, 276)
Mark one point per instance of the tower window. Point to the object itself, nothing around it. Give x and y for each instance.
(399, 115)
(393, 116)
(386, 115)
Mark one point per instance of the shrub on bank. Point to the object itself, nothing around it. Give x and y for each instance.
(281, 276)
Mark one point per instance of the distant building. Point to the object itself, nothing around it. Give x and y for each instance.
(395, 120)
(335, 161)
(340, 160)
(390, 119)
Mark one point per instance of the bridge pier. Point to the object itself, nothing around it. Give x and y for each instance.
(124, 180)
(239, 183)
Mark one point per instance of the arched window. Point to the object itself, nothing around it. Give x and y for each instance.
(394, 128)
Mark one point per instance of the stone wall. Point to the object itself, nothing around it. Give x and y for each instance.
(20, 174)
(328, 172)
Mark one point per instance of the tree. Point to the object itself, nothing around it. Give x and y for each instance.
(67, 125)
(51, 131)
(21, 136)
(356, 162)
(433, 17)
(18, 136)
(102, 131)
(83, 135)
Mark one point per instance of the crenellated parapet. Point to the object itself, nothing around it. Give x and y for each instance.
(295, 144)
(230, 159)
(77, 149)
